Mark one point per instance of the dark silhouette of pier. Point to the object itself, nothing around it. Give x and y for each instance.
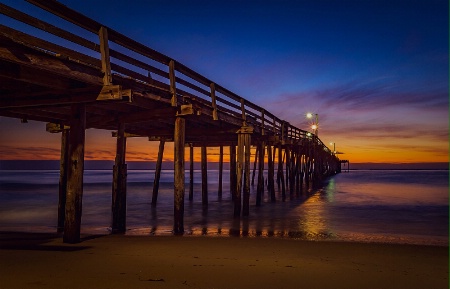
(136, 91)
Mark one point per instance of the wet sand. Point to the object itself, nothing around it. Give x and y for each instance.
(117, 261)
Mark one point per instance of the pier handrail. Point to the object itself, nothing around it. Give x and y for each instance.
(185, 84)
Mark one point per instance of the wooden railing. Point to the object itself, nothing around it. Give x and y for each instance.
(149, 67)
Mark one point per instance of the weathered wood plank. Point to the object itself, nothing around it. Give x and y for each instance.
(37, 23)
(60, 51)
(93, 26)
(46, 66)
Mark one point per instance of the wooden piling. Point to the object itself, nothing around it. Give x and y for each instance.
(239, 169)
(158, 172)
(63, 170)
(204, 176)
(191, 172)
(260, 186)
(219, 192)
(119, 184)
(270, 173)
(72, 222)
(179, 139)
(243, 171)
(287, 155)
(280, 173)
(254, 165)
(246, 199)
(233, 176)
(292, 170)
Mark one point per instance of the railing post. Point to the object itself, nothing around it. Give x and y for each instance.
(243, 110)
(173, 90)
(213, 101)
(104, 51)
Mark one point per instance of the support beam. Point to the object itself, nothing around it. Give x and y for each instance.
(239, 171)
(270, 173)
(280, 173)
(179, 139)
(254, 165)
(72, 222)
(260, 186)
(119, 189)
(292, 170)
(158, 172)
(246, 200)
(287, 155)
(191, 172)
(219, 192)
(233, 180)
(204, 176)
(63, 170)
(243, 171)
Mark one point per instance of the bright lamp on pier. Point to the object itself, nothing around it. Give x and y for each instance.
(315, 125)
(334, 147)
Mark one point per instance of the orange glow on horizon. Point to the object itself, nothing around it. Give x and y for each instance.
(32, 142)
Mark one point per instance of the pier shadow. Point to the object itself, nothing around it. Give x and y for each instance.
(39, 242)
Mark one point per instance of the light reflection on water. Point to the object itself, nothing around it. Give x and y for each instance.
(382, 206)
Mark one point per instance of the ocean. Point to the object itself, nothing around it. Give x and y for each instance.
(387, 206)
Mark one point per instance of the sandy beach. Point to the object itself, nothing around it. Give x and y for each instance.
(30, 260)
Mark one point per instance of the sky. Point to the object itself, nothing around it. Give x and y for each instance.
(375, 72)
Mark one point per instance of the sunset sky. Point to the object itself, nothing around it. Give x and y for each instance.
(376, 72)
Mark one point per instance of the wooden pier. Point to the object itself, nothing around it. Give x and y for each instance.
(136, 91)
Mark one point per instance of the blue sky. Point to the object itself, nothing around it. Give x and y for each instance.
(376, 72)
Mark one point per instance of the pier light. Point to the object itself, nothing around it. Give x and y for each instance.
(315, 125)
(334, 147)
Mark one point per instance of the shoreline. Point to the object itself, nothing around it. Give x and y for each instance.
(36, 260)
(351, 237)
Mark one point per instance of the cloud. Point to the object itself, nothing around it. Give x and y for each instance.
(29, 153)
